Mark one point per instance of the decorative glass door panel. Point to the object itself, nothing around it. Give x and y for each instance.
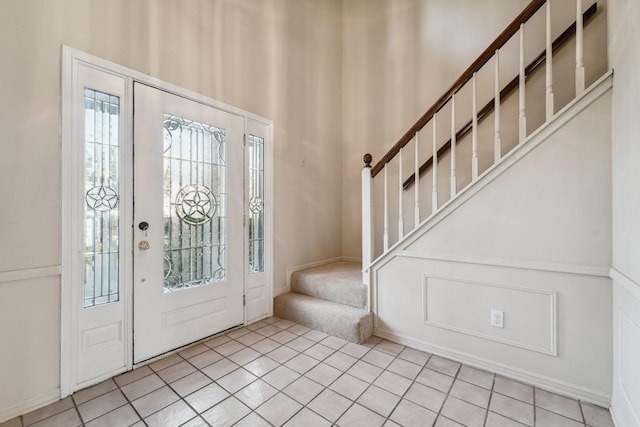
(188, 232)
(194, 204)
(256, 204)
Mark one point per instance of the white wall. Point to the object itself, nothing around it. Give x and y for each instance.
(276, 58)
(534, 243)
(624, 55)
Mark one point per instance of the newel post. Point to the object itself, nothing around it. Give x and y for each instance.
(367, 220)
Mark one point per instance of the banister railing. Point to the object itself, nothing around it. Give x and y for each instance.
(449, 97)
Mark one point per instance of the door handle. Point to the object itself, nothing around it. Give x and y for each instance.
(144, 245)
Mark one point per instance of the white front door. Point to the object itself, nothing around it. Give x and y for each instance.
(188, 221)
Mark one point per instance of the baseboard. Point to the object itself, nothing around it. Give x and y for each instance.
(29, 405)
(351, 259)
(547, 383)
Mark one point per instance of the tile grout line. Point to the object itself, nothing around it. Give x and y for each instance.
(493, 386)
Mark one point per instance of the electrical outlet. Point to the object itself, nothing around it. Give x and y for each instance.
(497, 318)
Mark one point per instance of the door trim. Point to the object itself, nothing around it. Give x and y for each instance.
(70, 60)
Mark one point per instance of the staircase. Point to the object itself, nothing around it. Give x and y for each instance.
(330, 298)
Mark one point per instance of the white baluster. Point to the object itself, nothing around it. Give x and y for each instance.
(522, 117)
(434, 168)
(400, 193)
(549, 66)
(579, 49)
(416, 184)
(367, 220)
(497, 142)
(385, 235)
(454, 186)
(474, 132)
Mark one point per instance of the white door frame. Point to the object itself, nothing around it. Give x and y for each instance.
(70, 287)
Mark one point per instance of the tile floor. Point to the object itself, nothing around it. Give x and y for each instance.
(275, 372)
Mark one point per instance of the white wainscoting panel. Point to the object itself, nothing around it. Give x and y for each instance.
(465, 306)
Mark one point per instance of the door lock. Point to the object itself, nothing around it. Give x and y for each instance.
(144, 226)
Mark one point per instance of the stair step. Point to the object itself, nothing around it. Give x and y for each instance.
(343, 321)
(339, 282)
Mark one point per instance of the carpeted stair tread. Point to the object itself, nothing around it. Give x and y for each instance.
(339, 282)
(343, 321)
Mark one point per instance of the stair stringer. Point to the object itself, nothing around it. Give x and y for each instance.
(557, 307)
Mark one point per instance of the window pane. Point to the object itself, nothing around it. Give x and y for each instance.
(101, 186)
(194, 204)
(256, 204)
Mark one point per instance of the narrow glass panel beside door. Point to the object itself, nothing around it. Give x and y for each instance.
(194, 204)
(101, 186)
(256, 204)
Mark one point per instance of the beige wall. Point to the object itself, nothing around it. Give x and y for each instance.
(624, 52)
(276, 58)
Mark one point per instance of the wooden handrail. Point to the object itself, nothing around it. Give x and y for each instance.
(558, 43)
(484, 57)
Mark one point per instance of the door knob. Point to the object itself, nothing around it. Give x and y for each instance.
(144, 245)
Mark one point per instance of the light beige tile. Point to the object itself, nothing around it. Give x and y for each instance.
(175, 414)
(394, 383)
(192, 382)
(330, 405)
(283, 337)
(252, 420)
(471, 393)
(299, 329)
(271, 319)
(435, 380)
(512, 408)
(546, 418)
(177, 371)
(316, 336)
(445, 366)
(282, 354)
(355, 350)
(123, 416)
(405, 368)
(389, 347)
(229, 347)
(596, 416)
(496, 420)
(390, 423)
(278, 409)
(476, 377)
(265, 346)
(307, 418)
(250, 338)
(428, 397)
(164, 363)
(559, 404)
(359, 416)
(256, 393)
(205, 359)
(300, 343)
(463, 412)
(323, 374)
(261, 366)
(101, 405)
(154, 401)
(257, 325)
(319, 351)
(268, 330)
(217, 341)
(219, 369)
(379, 400)
(244, 356)
(378, 358)
(68, 418)
(371, 341)
(410, 414)
(284, 324)
(189, 352)
(94, 391)
(236, 380)
(142, 386)
(47, 411)
(414, 356)
(226, 413)
(302, 363)
(303, 390)
(348, 386)
(195, 422)
(281, 377)
(340, 361)
(207, 397)
(443, 421)
(513, 389)
(365, 371)
(333, 342)
(236, 333)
